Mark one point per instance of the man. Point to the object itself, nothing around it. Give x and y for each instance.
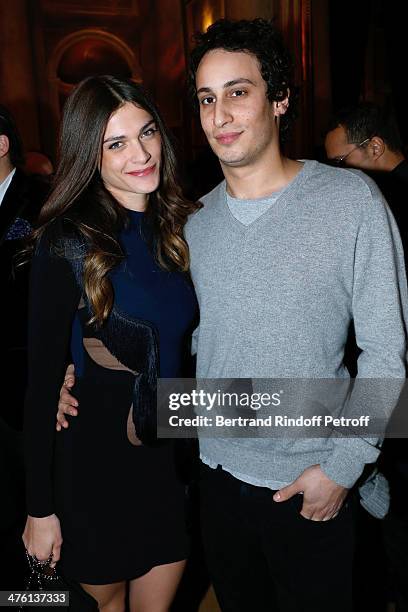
(20, 202)
(283, 255)
(366, 136)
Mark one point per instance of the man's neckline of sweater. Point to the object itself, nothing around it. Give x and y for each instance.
(308, 166)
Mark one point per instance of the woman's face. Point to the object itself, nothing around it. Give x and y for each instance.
(131, 154)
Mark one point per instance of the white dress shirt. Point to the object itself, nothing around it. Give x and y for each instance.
(4, 185)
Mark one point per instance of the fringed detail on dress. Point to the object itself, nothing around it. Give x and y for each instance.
(144, 413)
(134, 342)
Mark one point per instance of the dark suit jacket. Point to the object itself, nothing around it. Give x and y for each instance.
(394, 186)
(394, 459)
(18, 213)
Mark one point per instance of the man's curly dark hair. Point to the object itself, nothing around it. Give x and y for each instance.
(260, 38)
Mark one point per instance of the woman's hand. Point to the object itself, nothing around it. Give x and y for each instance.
(67, 403)
(42, 537)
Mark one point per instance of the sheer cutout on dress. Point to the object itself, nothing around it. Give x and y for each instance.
(98, 352)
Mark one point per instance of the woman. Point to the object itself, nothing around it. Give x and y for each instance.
(108, 281)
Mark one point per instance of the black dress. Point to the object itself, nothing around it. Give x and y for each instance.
(120, 502)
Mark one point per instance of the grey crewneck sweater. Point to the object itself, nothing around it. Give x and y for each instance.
(276, 299)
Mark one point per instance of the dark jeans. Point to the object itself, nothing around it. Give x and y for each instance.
(264, 556)
(395, 524)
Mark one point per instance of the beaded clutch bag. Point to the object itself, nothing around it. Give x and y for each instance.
(42, 577)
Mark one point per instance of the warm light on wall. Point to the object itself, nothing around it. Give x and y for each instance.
(208, 17)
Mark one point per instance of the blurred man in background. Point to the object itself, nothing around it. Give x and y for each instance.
(20, 202)
(367, 137)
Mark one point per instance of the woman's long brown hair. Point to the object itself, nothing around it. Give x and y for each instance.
(79, 195)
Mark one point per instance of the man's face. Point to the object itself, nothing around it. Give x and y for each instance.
(235, 113)
(353, 155)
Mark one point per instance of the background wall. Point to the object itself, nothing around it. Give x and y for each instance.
(344, 51)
